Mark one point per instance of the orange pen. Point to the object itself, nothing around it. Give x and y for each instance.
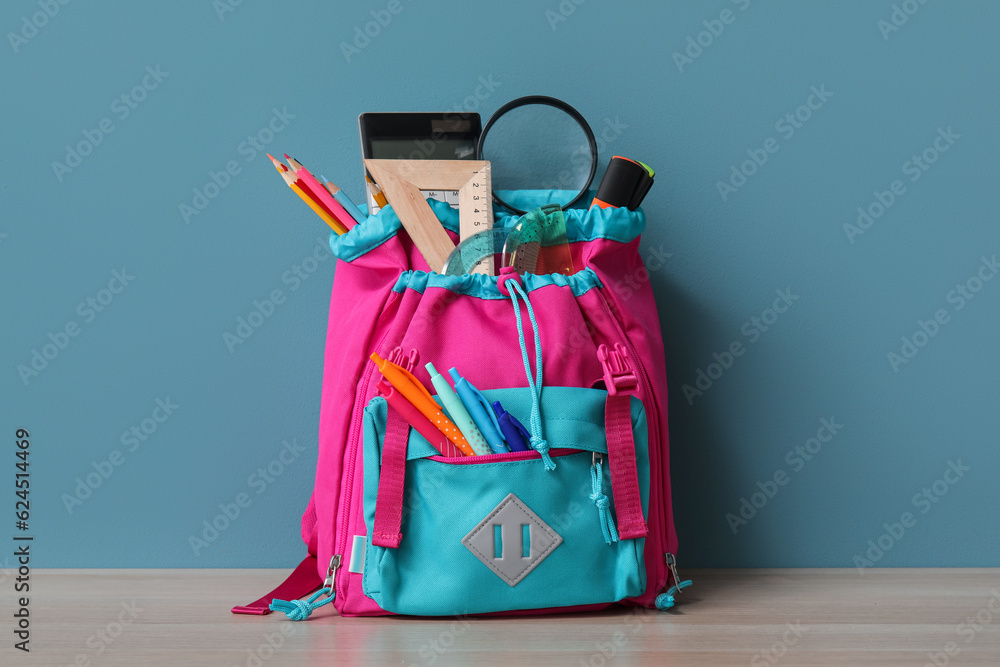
(406, 384)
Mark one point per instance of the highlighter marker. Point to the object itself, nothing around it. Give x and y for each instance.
(625, 183)
(453, 404)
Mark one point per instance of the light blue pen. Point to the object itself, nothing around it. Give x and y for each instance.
(457, 412)
(481, 411)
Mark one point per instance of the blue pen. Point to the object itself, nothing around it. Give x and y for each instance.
(517, 436)
(480, 410)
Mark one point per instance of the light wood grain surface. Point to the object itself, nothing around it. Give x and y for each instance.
(729, 617)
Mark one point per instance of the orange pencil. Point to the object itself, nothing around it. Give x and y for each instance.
(319, 210)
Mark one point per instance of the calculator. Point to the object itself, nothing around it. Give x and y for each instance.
(419, 136)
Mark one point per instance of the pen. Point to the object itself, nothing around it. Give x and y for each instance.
(344, 200)
(415, 418)
(480, 410)
(417, 394)
(453, 404)
(512, 429)
(313, 187)
(293, 183)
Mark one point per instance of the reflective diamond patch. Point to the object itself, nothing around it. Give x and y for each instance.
(512, 540)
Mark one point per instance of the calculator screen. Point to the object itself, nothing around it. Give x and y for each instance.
(423, 148)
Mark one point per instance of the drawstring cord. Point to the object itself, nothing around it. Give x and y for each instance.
(537, 442)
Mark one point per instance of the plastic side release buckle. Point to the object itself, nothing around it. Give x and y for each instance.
(618, 374)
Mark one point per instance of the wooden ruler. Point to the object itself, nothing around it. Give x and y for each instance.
(401, 182)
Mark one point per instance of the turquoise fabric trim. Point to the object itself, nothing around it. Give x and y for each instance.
(485, 287)
(433, 574)
(381, 227)
(582, 224)
(572, 418)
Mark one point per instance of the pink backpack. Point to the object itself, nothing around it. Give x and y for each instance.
(581, 521)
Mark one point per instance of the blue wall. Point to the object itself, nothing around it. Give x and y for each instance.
(883, 97)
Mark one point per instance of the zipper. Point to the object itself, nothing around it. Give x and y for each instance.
(352, 452)
(331, 571)
(672, 566)
(654, 448)
(503, 456)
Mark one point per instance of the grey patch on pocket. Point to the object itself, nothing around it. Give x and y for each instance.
(511, 514)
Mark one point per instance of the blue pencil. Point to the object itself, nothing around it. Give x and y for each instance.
(344, 201)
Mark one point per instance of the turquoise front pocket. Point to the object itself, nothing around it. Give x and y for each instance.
(503, 533)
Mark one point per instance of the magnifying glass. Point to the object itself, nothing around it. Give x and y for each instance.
(539, 143)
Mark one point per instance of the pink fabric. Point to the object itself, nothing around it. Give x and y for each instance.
(621, 461)
(367, 316)
(392, 477)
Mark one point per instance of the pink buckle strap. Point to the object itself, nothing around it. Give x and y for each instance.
(621, 461)
(386, 528)
(303, 580)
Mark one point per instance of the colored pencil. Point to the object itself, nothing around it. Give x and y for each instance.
(292, 182)
(376, 193)
(344, 200)
(309, 183)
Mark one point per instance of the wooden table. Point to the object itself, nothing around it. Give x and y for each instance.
(729, 617)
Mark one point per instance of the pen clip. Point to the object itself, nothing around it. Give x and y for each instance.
(519, 427)
(413, 380)
(486, 407)
(405, 361)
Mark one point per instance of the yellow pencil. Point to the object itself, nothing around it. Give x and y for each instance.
(376, 193)
(291, 180)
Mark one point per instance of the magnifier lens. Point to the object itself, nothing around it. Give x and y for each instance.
(538, 146)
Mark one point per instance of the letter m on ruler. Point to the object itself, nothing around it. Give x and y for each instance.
(512, 540)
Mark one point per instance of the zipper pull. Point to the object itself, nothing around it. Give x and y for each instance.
(665, 600)
(672, 565)
(600, 500)
(331, 571)
(299, 610)
(618, 374)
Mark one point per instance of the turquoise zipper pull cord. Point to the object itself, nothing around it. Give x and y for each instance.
(298, 610)
(536, 441)
(601, 501)
(665, 601)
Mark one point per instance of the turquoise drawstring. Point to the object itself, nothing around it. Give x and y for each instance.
(537, 442)
(297, 610)
(601, 502)
(665, 601)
